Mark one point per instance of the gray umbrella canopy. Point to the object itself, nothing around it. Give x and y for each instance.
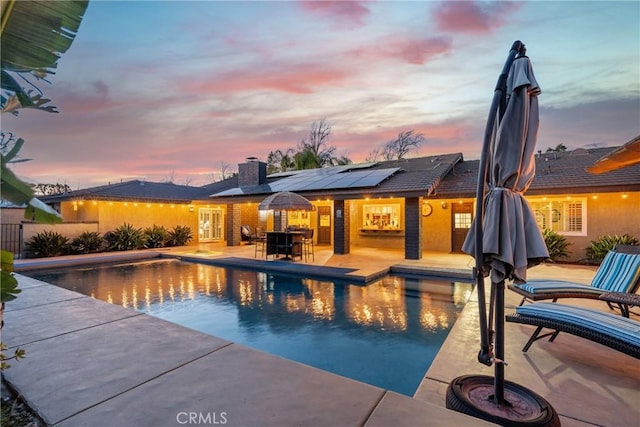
(512, 241)
(285, 201)
(505, 240)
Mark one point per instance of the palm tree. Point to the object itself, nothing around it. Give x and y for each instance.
(34, 34)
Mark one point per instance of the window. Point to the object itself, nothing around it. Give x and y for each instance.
(298, 219)
(462, 220)
(381, 217)
(566, 216)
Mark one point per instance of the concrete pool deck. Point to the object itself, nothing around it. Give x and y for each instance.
(92, 363)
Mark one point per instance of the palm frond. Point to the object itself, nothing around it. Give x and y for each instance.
(36, 33)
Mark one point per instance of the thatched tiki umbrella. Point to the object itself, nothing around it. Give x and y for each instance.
(285, 201)
(505, 240)
(282, 202)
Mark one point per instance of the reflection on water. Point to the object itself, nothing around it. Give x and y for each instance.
(385, 333)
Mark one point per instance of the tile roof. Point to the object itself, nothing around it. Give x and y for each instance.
(556, 172)
(141, 191)
(444, 175)
(415, 176)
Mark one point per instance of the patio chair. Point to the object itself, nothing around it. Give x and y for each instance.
(611, 330)
(619, 272)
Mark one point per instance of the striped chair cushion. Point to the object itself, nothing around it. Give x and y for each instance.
(618, 272)
(625, 329)
(542, 286)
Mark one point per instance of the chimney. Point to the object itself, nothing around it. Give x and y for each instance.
(253, 172)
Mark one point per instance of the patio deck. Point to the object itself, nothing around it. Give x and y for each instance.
(92, 363)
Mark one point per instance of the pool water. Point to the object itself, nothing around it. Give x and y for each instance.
(385, 333)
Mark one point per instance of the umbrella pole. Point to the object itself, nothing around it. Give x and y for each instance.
(499, 345)
(485, 355)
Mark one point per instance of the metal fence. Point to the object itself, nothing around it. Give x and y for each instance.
(11, 238)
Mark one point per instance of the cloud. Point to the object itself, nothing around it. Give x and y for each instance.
(291, 78)
(406, 48)
(609, 122)
(343, 13)
(472, 16)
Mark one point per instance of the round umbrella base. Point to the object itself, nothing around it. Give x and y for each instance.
(474, 395)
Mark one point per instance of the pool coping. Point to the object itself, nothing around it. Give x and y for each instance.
(343, 274)
(570, 374)
(88, 384)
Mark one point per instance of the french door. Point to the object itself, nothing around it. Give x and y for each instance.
(210, 224)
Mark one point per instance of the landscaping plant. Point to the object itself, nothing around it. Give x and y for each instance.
(598, 249)
(8, 292)
(47, 244)
(124, 238)
(86, 243)
(180, 235)
(155, 237)
(556, 245)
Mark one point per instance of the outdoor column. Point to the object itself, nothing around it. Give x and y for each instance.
(341, 227)
(232, 225)
(412, 229)
(279, 220)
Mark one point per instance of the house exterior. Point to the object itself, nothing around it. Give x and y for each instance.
(416, 205)
(564, 196)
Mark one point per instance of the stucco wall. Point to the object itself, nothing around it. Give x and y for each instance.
(69, 230)
(609, 213)
(12, 215)
(436, 228)
(111, 215)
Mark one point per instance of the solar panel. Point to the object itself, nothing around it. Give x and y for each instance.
(320, 179)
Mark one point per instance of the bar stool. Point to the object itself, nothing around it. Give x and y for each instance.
(307, 244)
(260, 242)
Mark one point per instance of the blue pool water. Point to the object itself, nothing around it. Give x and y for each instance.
(385, 333)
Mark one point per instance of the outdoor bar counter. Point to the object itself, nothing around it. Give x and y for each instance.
(287, 243)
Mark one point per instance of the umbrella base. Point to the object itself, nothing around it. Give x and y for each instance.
(474, 395)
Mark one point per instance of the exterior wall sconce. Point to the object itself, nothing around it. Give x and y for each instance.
(192, 208)
(444, 205)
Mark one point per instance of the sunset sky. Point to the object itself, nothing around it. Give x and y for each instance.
(171, 90)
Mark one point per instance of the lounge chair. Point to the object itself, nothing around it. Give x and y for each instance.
(619, 272)
(617, 332)
(246, 235)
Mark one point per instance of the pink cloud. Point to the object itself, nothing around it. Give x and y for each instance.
(472, 17)
(408, 49)
(344, 13)
(300, 78)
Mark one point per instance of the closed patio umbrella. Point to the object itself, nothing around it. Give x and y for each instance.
(285, 201)
(505, 240)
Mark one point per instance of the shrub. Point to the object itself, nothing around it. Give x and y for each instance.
(556, 245)
(179, 236)
(599, 248)
(47, 244)
(155, 237)
(124, 238)
(86, 243)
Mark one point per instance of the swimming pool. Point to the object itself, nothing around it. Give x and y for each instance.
(385, 333)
